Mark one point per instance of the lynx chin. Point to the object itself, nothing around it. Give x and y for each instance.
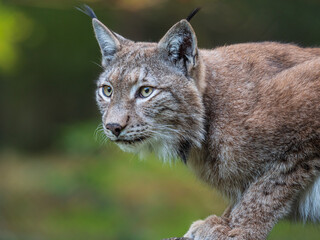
(245, 118)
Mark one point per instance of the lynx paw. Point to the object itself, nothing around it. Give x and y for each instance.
(213, 228)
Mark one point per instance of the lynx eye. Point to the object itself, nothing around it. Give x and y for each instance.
(107, 90)
(145, 92)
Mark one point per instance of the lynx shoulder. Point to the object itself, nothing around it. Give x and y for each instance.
(245, 118)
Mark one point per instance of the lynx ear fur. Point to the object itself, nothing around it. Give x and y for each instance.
(179, 46)
(109, 43)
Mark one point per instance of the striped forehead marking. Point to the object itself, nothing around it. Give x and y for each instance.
(135, 75)
(143, 74)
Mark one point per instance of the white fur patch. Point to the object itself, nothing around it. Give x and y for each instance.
(309, 203)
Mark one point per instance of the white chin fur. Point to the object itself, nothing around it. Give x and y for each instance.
(131, 148)
(163, 148)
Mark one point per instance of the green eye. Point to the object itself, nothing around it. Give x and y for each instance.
(107, 90)
(145, 91)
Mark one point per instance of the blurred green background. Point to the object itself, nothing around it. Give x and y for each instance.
(59, 178)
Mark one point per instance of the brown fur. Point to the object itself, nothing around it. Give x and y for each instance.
(245, 118)
(263, 142)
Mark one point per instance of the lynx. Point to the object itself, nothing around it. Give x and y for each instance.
(245, 118)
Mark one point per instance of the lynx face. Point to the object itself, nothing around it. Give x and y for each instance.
(147, 94)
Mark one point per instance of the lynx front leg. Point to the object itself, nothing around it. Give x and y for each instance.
(265, 202)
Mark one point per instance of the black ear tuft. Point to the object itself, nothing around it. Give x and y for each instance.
(194, 12)
(87, 10)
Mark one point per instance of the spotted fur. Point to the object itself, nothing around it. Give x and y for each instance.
(245, 118)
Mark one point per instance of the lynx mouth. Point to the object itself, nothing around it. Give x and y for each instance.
(131, 142)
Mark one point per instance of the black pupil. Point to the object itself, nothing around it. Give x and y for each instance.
(147, 90)
(107, 90)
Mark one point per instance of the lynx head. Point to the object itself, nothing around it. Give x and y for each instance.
(150, 94)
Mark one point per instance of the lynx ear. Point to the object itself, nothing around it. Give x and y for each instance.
(109, 43)
(180, 46)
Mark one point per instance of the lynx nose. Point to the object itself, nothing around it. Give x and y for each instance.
(115, 128)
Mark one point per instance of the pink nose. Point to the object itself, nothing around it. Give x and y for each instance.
(115, 128)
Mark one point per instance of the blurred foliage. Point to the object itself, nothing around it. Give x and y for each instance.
(101, 196)
(57, 180)
(14, 28)
(77, 138)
